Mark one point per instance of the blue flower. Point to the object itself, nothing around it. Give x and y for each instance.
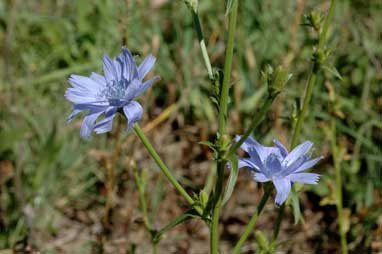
(106, 95)
(277, 165)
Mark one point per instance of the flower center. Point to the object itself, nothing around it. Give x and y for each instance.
(115, 92)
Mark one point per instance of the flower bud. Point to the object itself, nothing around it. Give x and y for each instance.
(203, 198)
(192, 4)
(276, 79)
(314, 19)
(261, 240)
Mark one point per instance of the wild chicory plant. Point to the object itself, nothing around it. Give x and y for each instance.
(116, 90)
(277, 165)
(123, 81)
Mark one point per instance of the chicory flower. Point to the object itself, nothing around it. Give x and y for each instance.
(276, 164)
(106, 95)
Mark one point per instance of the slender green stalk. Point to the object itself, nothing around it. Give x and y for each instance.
(252, 222)
(256, 121)
(142, 199)
(202, 43)
(338, 189)
(308, 94)
(279, 219)
(223, 107)
(214, 241)
(313, 76)
(143, 204)
(166, 171)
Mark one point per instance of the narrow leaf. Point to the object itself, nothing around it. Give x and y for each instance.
(232, 178)
(229, 6)
(332, 70)
(190, 214)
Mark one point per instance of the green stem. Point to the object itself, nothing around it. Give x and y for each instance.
(223, 104)
(313, 77)
(202, 44)
(155, 248)
(142, 199)
(252, 222)
(279, 219)
(166, 171)
(223, 107)
(256, 121)
(216, 210)
(143, 204)
(338, 190)
(308, 94)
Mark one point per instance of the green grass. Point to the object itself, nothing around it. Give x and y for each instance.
(47, 169)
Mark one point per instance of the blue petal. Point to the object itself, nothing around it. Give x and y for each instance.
(85, 83)
(74, 113)
(308, 178)
(130, 70)
(136, 87)
(99, 79)
(273, 165)
(261, 178)
(308, 164)
(133, 112)
(247, 162)
(133, 89)
(264, 151)
(106, 124)
(283, 187)
(79, 96)
(146, 85)
(249, 142)
(109, 69)
(88, 124)
(297, 152)
(293, 166)
(283, 150)
(146, 66)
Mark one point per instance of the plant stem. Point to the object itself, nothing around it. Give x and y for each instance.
(143, 204)
(256, 121)
(223, 106)
(312, 77)
(338, 190)
(214, 241)
(307, 96)
(202, 43)
(142, 198)
(279, 219)
(166, 171)
(252, 222)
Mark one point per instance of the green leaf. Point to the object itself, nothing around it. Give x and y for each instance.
(211, 145)
(332, 70)
(232, 178)
(296, 206)
(190, 214)
(229, 6)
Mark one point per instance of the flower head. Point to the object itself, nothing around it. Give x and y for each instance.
(276, 164)
(105, 95)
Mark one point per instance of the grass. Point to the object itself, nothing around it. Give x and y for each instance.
(50, 178)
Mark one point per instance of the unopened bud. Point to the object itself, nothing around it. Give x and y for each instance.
(261, 240)
(276, 79)
(314, 19)
(192, 4)
(203, 198)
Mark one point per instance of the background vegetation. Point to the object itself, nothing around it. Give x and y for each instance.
(52, 183)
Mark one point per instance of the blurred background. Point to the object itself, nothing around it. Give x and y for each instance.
(52, 183)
